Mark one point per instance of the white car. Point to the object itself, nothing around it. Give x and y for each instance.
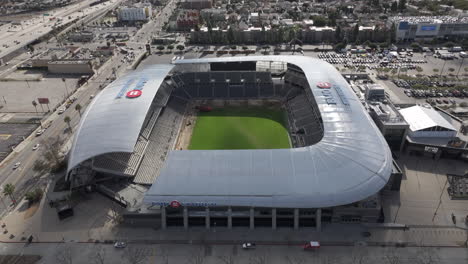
(35, 147)
(248, 246)
(39, 132)
(16, 165)
(120, 244)
(61, 110)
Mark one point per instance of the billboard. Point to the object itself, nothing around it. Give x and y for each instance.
(43, 100)
(429, 28)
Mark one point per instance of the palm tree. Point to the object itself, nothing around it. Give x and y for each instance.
(9, 189)
(67, 120)
(78, 108)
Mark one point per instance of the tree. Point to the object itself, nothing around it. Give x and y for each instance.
(338, 47)
(67, 120)
(435, 70)
(170, 47)
(160, 48)
(78, 109)
(356, 33)
(449, 44)
(9, 189)
(394, 6)
(52, 151)
(34, 196)
(265, 48)
(295, 42)
(415, 46)
(451, 70)
(35, 105)
(245, 47)
(402, 5)
(230, 36)
(180, 47)
(319, 21)
(337, 33)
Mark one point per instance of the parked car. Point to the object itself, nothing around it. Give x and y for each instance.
(35, 147)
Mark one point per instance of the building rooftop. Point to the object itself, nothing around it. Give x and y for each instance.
(423, 117)
(429, 19)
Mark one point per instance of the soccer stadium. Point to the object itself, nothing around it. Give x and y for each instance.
(276, 141)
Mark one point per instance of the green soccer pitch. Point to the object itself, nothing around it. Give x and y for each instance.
(240, 128)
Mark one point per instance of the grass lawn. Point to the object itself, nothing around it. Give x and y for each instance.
(240, 128)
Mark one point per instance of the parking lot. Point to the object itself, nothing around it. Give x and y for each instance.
(18, 94)
(12, 134)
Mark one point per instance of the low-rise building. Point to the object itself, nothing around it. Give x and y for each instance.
(83, 36)
(71, 67)
(318, 35)
(430, 27)
(50, 55)
(135, 13)
(196, 4)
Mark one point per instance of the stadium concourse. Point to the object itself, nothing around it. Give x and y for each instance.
(334, 171)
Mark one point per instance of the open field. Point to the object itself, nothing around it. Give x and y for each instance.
(240, 128)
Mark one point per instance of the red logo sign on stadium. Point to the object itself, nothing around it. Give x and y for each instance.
(324, 85)
(174, 204)
(134, 93)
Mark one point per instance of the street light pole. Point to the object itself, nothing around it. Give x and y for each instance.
(440, 200)
(461, 64)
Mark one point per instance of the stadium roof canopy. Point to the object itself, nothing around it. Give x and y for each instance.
(420, 118)
(112, 122)
(350, 163)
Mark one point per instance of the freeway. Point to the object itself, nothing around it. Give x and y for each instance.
(14, 37)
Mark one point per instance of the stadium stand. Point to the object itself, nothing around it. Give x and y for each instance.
(161, 140)
(163, 122)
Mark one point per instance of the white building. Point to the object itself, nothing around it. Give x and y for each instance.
(140, 13)
(427, 122)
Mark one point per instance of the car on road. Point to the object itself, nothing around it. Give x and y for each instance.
(248, 246)
(120, 244)
(40, 132)
(61, 110)
(16, 165)
(91, 96)
(35, 147)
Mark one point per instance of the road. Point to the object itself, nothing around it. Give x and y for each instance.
(24, 178)
(171, 253)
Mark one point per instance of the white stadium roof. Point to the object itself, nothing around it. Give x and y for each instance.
(350, 163)
(419, 118)
(112, 122)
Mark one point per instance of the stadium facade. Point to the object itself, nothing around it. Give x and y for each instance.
(334, 172)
